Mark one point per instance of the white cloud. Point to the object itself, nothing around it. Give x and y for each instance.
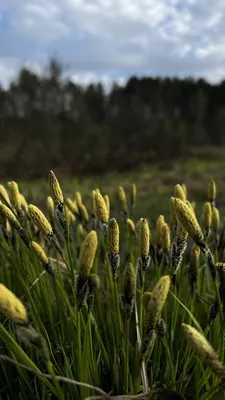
(116, 38)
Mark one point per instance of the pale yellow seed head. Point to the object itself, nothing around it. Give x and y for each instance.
(131, 225)
(173, 216)
(70, 216)
(72, 205)
(144, 238)
(84, 213)
(212, 191)
(184, 187)
(107, 202)
(4, 194)
(11, 307)
(50, 207)
(23, 203)
(179, 193)
(133, 194)
(102, 210)
(40, 220)
(204, 349)
(165, 237)
(181, 233)
(87, 254)
(78, 199)
(156, 302)
(113, 237)
(207, 214)
(159, 223)
(10, 217)
(15, 195)
(80, 231)
(93, 204)
(195, 249)
(193, 205)
(189, 222)
(55, 189)
(215, 219)
(123, 200)
(39, 252)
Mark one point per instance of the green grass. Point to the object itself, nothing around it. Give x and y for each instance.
(99, 347)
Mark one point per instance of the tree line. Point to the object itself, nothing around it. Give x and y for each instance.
(49, 122)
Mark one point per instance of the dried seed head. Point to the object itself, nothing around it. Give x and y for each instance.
(87, 254)
(131, 225)
(39, 252)
(40, 220)
(161, 328)
(78, 199)
(207, 213)
(56, 190)
(179, 193)
(204, 350)
(159, 223)
(23, 203)
(93, 204)
(133, 194)
(113, 237)
(194, 265)
(4, 194)
(189, 222)
(102, 210)
(123, 200)
(145, 299)
(144, 238)
(212, 191)
(30, 337)
(50, 207)
(72, 205)
(11, 307)
(165, 237)
(215, 219)
(15, 195)
(173, 216)
(84, 213)
(10, 217)
(156, 303)
(107, 202)
(94, 282)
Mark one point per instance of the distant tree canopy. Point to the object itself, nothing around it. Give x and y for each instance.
(47, 121)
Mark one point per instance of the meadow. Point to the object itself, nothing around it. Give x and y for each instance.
(114, 288)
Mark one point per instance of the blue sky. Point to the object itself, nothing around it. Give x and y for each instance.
(110, 40)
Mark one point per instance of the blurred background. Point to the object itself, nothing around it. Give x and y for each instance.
(113, 90)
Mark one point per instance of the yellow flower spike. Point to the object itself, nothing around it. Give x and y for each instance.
(215, 219)
(78, 199)
(23, 203)
(165, 237)
(107, 202)
(179, 193)
(193, 205)
(80, 230)
(72, 205)
(15, 196)
(159, 223)
(4, 194)
(84, 213)
(133, 194)
(189, 222)
(87, 254)
(207, 213)
(102, 210)
(212, 191)
(40, 220)
(50, 207)
(56, 191)
(10, 217)
(129, 282)
(123, 200)
(70, 216)
(113, 237)
(40, 253)
(203, 349)
(131, 225)
(145, 299)
(173, 216)
(144, 238)
(93, 204)
(11, 307)
(184, 187)
(157, 301)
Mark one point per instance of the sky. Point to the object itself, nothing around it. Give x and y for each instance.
(111, 40)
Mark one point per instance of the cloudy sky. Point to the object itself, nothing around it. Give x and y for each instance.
(110, 40)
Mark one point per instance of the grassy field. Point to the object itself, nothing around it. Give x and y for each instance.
(81, 324)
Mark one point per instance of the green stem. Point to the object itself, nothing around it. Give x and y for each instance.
(126, 369)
